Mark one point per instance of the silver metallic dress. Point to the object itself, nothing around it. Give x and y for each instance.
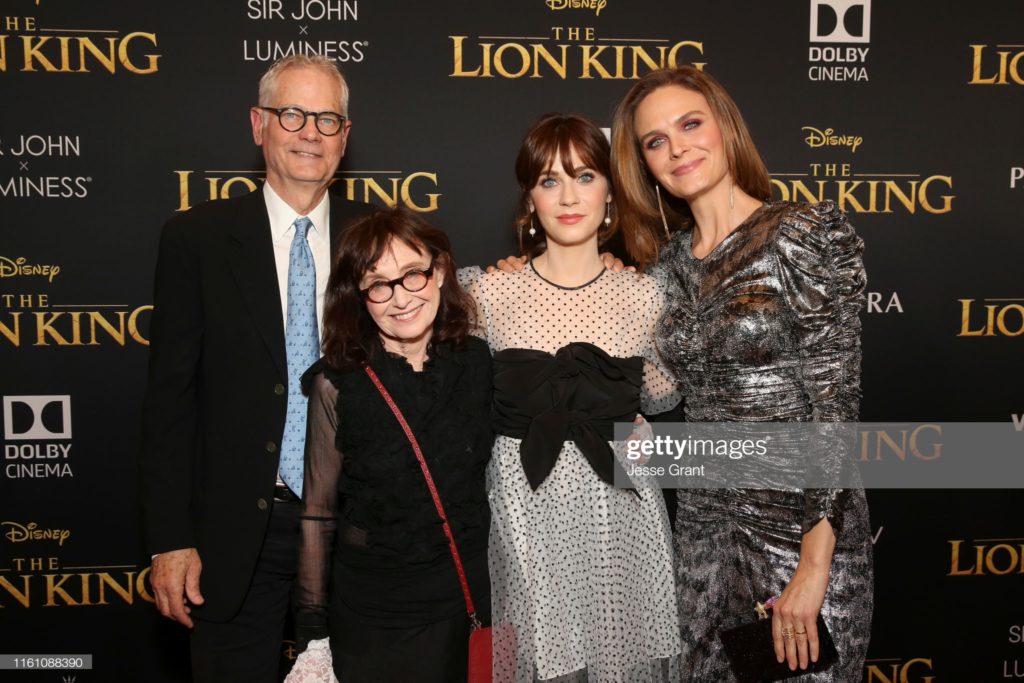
(766, 328)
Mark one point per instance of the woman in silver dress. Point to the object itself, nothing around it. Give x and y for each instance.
(761, 324)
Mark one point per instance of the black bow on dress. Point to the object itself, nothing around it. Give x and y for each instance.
(577, 395)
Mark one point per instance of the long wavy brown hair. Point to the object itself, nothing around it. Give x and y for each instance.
(639, 217)
(559, 135)
(351, 337)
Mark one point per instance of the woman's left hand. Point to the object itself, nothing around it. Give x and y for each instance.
(641, 432)
(795, 614)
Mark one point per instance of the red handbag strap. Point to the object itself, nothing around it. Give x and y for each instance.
(470, 608)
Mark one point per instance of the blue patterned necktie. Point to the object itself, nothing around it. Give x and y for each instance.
(302, 344)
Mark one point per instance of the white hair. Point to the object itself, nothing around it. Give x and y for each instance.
(268, 83)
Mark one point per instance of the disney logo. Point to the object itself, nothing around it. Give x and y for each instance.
(827, 138)
(20, 266)
(596, 5)
(16, 533)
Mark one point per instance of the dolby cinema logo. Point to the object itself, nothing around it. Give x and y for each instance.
(839, 37)
(37, 433)
(840, 21)
(37, 417)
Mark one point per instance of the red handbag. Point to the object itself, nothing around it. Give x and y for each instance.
(479, 636)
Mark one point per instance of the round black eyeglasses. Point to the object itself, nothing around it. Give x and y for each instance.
(413, 281)
(293, 119)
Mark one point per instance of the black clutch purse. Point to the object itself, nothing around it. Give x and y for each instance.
(752, 655)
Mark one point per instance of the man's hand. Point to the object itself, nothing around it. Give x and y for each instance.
(175, 580)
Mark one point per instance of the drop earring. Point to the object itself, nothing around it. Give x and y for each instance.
(661, 210)
(533, 230)
(732, 200)
(607, 214)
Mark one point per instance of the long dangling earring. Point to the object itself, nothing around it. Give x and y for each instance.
(607, 214)
(732, 200)
(533, 230)
(661, 210)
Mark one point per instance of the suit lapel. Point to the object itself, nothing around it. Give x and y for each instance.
(251, 259)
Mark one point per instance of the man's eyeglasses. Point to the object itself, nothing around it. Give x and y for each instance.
(293, 119)
(413, 281)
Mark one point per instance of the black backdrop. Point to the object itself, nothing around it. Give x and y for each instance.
(117, 114)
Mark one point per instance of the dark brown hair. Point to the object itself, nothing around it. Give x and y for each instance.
(558, 135)
(634, 184)
(351, 337)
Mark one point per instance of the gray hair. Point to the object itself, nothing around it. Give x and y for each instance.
(268, 83)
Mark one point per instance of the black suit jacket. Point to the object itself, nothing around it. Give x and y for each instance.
(214, 410)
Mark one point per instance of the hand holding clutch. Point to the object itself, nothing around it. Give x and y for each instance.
(751, 650)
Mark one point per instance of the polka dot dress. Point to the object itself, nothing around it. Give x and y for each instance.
(581, 572)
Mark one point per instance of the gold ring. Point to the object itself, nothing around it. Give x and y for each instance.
(801, 633)
(787, 632)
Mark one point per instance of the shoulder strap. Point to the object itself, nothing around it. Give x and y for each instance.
(470, 608)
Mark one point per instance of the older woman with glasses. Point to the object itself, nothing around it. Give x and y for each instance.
(395, 610)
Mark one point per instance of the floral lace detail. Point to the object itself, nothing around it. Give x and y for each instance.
(314, 665)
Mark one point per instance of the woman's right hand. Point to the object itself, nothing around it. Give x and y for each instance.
(509, 264)
(313, 665)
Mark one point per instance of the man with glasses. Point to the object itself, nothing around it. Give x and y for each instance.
(239, 298)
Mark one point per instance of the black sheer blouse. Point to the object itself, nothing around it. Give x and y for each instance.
(372, 544)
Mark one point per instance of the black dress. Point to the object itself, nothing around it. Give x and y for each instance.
(395, 609)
